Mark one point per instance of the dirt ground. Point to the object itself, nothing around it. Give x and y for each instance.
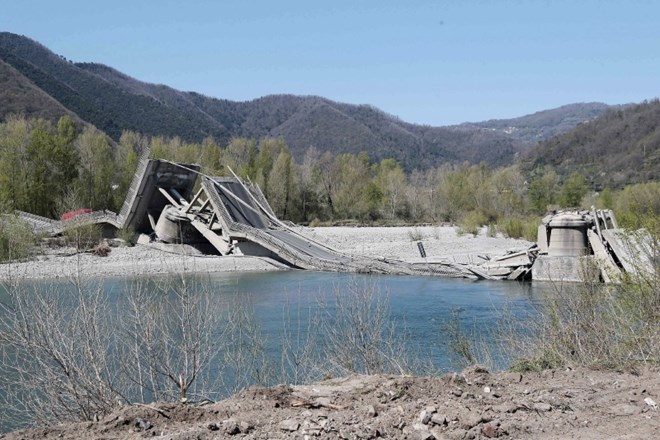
(566, 404)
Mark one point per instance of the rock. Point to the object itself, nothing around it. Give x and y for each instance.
(323, 401)
(116, 242)
(311, 428)
(457, 392)
(244, 427)
(624, 409)
(424, 436)
(289, 425)
(512, 377)
(438, 419)
(542, 407)
(506, 407)
(425, 417)
(473, 433)
(142, 424)
(438, 434)
(213, 427)
(457, 434)
(473, 420)
(231, 427)
(490, 430)
(371, 411)
(486, 390)
(650, 402)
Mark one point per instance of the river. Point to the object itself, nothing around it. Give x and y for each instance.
(421, 310)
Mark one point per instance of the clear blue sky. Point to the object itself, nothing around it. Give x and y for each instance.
(432, 62)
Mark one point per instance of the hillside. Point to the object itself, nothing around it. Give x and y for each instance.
(621, 146)
(544, 124)
(113, 102)
(19, 95)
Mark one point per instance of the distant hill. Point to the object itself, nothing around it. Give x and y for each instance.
(544, 124)
(41, 83)
(621, 146)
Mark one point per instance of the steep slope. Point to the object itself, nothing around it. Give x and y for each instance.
(18, 95)
(96, 100)
(621, 146)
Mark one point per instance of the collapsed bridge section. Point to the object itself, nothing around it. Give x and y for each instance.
(237, 219)
(169, 202)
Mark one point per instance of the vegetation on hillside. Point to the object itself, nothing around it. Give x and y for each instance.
(620, 147)
(18, 95)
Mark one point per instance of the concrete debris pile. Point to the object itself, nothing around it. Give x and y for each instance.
(515, 265)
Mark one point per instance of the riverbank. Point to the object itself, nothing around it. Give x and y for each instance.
(390, 242)
(555, 404)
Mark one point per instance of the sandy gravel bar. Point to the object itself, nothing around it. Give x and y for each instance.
(401, 242)
(389, 242)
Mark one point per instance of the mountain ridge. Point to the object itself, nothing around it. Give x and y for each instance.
(114, 101)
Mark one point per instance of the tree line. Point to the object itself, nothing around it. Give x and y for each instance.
(48, 169)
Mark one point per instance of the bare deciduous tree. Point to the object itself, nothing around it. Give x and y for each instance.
(358, 335)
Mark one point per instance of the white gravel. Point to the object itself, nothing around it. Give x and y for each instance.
(389, 242)
(401, 242)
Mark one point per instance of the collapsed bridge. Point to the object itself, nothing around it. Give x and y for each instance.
(174, 203)
(228, 216)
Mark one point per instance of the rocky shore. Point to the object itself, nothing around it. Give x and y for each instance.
(566, 404)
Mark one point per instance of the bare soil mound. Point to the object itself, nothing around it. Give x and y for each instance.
(571, 404)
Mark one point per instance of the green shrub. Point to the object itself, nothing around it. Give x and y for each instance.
(16, 238)
(544, 361)
(512, 227)
(82, 236)
(128, 235)
(472, 222)
(637, 205)
(518, 227)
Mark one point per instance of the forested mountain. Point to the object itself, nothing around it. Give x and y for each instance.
(19, 95)
(621, 146)
(43, 84)
(544, 124)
